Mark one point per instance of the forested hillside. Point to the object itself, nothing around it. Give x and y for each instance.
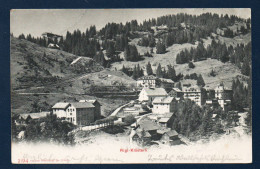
(184, 41)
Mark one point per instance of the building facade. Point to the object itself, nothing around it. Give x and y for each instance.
(148, 94)
(147, 81)
(78, 113)
(176, 93)
(193, 93)
(163, 105)
(97, 107)
(223, 96)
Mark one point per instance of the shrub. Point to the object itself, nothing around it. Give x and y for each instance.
(129, 119)
(191, 65)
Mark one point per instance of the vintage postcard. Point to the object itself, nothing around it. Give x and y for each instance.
(131, 86)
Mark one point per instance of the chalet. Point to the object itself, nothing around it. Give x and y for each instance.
(176, 93)
(193, 93)
(166, 83)
(97, 107)
(60, 109)
(142, 136)
(166, 120)
(148, 126)
(24, 118)
(148, 94)
(171, 138)
(51, 38)
(147, 81)
(162, 105)
(78, 113)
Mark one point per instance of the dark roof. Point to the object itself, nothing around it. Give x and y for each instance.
(176, 89)
(149, 77)
(148, 125)
(172, 133)
(34, 115)
(164, 120)
(146, 134)
(48, 34)
(93, 101)
(80, 105)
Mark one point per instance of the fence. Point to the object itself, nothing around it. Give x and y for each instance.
(97, 126)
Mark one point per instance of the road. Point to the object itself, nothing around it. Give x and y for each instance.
(53, 84)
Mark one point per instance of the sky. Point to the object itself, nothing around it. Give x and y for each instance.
(59, 21)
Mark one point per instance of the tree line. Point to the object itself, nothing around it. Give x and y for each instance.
(239, 55)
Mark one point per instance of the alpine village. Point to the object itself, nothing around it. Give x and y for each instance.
(175, 79)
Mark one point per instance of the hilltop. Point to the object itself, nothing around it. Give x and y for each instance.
(33, 65)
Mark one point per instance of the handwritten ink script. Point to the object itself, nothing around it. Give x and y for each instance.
(43, 158)
(180, 158)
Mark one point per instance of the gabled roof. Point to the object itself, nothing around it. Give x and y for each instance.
(60, 105)
(176, 89)
(148, 125)
(163, 130)
(194, 88)
(80, 105)
(166, 115)
(172, 133)
(34, 115)
(164, 120)
(155, 91)
(93, 101)
(166, 80)
(165, 100)
(150, 77)
(139, 133)
(48, 34)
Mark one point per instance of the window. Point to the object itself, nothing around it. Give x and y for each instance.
(71, 114)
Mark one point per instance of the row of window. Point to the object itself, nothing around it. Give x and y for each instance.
(70, 119)
(70, 110)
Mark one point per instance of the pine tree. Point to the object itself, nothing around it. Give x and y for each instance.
(21, 36)
(171, 73)
(159, 71)
(245, 70)
(200, 81)
(127, 53)
(149, 69)
(111, 50)
(138, 70)
(135, 74)
(191, 65)
(160, 48)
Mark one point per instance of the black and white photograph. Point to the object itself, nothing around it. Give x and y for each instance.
(131, 86)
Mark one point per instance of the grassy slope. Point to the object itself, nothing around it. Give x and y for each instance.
(56, 63)
(71, 90)
(225, 71)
